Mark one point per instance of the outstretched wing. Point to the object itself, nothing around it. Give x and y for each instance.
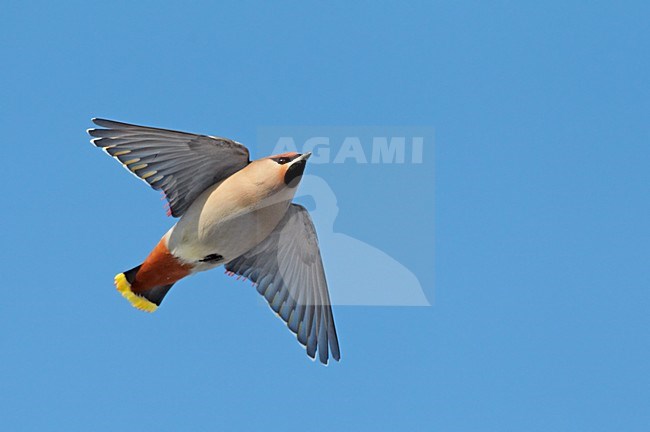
(288, 271)
(180, 164)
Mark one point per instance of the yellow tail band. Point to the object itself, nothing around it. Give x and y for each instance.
(139, 302)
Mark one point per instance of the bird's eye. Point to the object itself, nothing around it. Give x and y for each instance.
(283, 160)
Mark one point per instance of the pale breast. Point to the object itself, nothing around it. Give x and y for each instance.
(227, 220)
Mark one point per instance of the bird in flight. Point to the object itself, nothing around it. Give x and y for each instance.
(232, 212)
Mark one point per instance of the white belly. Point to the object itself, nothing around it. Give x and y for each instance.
(227, 221)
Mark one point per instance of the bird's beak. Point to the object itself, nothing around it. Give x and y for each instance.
(302, 157)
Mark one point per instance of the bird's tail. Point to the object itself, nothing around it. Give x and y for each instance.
(147, 300)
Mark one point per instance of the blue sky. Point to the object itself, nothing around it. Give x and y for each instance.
(534, 257)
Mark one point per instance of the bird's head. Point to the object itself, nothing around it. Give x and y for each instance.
(277, 175)
(290, 166)
(281, 171)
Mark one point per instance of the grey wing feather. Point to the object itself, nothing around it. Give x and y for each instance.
(180, 164)
(288, 271)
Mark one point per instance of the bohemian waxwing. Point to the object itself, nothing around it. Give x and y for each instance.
(233, 212)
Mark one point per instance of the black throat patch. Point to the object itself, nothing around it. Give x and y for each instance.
(292, 176)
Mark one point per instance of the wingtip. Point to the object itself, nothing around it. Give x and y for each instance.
(323, 356)
(102, 122)
(328, 361)
(93, 142)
